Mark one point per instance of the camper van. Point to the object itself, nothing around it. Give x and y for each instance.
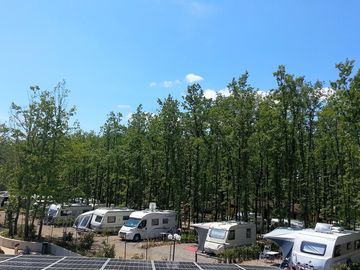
(321, 248)
(221, 235)
(108, 219)
(58, 212)
(148, 224)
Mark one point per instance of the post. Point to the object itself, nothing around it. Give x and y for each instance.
(125, 250)
(173, 255)
(196, 256)
(170, 253)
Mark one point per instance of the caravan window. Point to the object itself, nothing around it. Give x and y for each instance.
(357, 244)
(313, 248)
(349, 246)
(111, 219)
(65, 213)
(85, 221)
(98, 218)
(231, 235)
(248, 233)
(165, 221)
(337, 251)
(155, 222)
(217, 233)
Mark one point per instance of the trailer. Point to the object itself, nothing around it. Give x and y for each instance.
(64, 212)
(148, 224)
(109, 219)
(82, 222)
(226, 234)
(321, 248)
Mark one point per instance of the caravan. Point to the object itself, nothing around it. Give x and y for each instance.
(321, 248)
(107, 219)
(82, 222)
(148, 224)
(221, 235)
(60, 213)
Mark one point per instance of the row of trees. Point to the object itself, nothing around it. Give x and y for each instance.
(293, 153)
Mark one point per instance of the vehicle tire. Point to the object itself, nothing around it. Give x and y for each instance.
(137, 237)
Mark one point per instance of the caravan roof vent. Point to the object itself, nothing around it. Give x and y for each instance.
(323, 227)
(152, 206)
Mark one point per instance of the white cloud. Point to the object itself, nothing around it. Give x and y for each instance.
(152, 84)
(167, 84)
(224, 92)
(262, 93)
(212, 94)
(128, 116)
(124, 106)
(164, 84)
(191, 78)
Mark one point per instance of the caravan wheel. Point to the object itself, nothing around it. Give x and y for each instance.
(137, 237)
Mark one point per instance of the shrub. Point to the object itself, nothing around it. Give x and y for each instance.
(107, 250)
(239, 254)
(85, 242)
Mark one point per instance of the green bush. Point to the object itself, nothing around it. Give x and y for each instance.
(85, 242)
(355, 266)
(107, 250)
(239, 254)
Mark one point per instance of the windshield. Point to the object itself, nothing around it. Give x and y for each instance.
(85, 221)
(52, 212)
(132, 222)
(217, 233)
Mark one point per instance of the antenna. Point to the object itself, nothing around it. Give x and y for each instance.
(152, 206)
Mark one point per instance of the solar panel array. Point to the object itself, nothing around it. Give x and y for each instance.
(42, 262)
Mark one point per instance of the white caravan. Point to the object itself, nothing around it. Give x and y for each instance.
(148, 224)
(108, 219)
(321, 248)
(58, 212)
(82, 222)
(221, 235)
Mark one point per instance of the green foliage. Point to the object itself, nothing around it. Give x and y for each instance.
(86, 241)
(106, 250)
(240, 254)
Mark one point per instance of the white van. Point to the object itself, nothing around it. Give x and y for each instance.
(148, 224)
(58, 213)
(222, 235)
(109, 219)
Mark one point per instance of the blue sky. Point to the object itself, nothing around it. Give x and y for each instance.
(115, 55)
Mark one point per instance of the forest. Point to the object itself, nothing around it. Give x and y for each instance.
(291, 153)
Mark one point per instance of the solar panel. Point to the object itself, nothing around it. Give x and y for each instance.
(43, 262)
(160, 265)
(212, 266)
(128, 265)
(79, 263)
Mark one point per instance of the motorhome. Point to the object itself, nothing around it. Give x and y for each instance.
(108, 219)
(148, 224)
(60, 213)
(222, 235)
(324, 247)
